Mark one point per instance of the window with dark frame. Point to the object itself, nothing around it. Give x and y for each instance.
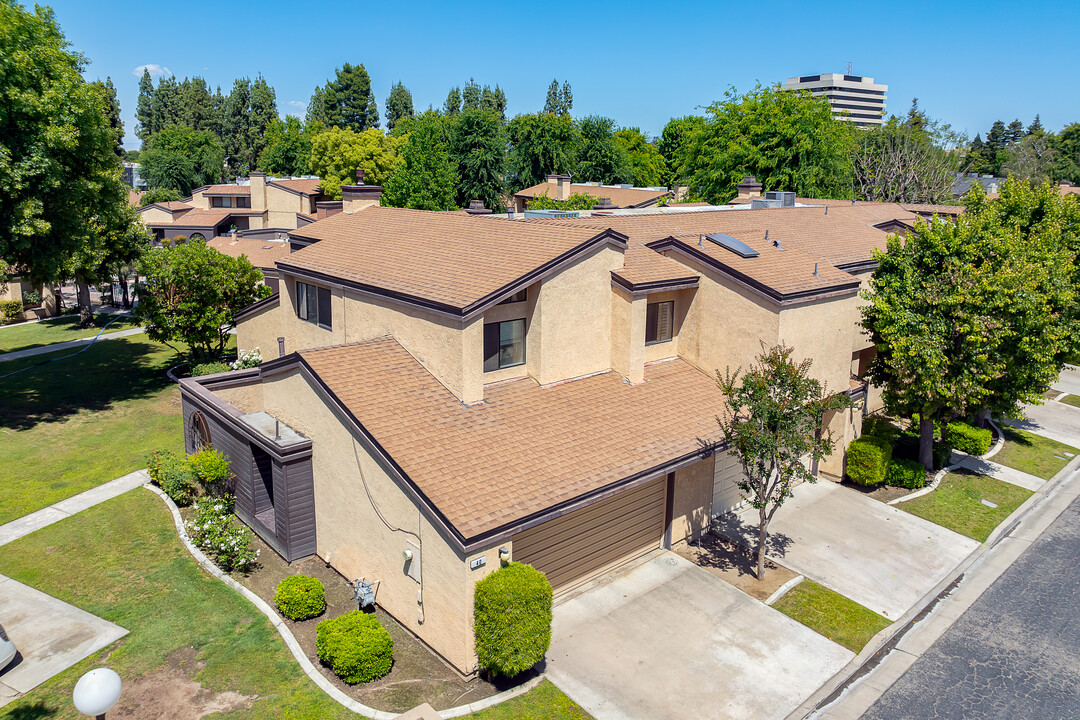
(659, 319)
(313, 304)
(504, 344)
(519, 296)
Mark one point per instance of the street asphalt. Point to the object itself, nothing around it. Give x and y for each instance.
(1013, 654)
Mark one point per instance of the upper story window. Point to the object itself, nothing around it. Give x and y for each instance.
(517, 297)
(313, 305)
(504, 344)
(658, 322)
(230, 202)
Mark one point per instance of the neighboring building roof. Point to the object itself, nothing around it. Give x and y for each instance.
(450, 262)
(963, 183)
(620, 197)
(208, 219)
(645, 269)
(226, 190)
(172, 206)
(526, 449)
(261, 253)
(304, 186)
(134, 197)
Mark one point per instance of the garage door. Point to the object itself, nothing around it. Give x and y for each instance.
(589, 542)
(726, 493)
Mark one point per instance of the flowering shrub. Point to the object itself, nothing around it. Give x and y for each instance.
(247, 359)
(216, 531)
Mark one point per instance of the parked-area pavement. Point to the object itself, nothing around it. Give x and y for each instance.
(667, 639)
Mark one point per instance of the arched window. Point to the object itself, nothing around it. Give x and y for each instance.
(200, 432)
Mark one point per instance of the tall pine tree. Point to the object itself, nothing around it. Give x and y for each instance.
(144, 107)
(348, 102)
(399, 105)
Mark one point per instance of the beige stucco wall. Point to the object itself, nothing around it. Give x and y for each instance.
(574, 313)
(282, 206)
(691, 505)
(247, 398)
(262, 330)
(627, 325)
(155, 215)
(860, 338)
(818, 330)
(683, 299)
(846, 425)
(725, 322)
(199, 200)
(355, 541)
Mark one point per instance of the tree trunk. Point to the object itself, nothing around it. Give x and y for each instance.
(86, 313)
(763, 534)
(926, 441)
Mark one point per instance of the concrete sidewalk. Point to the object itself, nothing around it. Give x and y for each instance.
(56, 347)
(66, 508)
(1000, 472)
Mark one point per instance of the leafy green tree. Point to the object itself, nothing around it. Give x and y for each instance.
(160, 195)
(1031, 159)
(671, 142)
(347, 100)
(601, 158)
(559, 101)
(109, 92)
(1036, 127)
(60, 189)
(197, 104)
(166, 104)
(1014, 133)
(316, 109)
(181, 158)
(470, 96)
(261, 114)
(478, 146)
(540, 144)
(144, 107)
(399, 105)
(773, 423)
(191, 294)
(249, 110)
(577, 201)
(646, 164)
(337, 154)
(425, 178)
(452, 104)
(970, 315)
(288, 148)
(494, 100)
(1067, 161)
(788, 140)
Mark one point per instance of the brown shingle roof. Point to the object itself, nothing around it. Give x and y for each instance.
(644, 267)
(307, 186)
(527, 448)
(205, 219)
(620, 197)
(227, 190)
(451, 260)
(261, 253)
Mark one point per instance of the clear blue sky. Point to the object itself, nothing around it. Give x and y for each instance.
(969, 63)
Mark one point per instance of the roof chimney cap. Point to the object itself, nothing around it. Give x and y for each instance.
(360, 176)
(604, 204)
(750, 183)
(476, 207)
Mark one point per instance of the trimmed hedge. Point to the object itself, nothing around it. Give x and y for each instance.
(209, 368)
(300, 597)
(355, 646)
(172, 474)
(879, 427)
(512, 619)
(907, 447)
(967, 438)
(905, 474)
(11, 311)
(867, 460)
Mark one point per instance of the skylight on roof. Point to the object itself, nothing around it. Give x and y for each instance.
(736, 246)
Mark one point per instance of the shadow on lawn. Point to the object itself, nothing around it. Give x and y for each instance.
(105, 374)
(30, 712)
(69, 325)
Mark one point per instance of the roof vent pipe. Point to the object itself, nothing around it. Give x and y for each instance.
(701, 241)
(826, 211)
(766, 236)
(815, 271)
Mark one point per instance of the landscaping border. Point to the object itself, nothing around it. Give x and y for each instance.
(301, 657)
(953, 466)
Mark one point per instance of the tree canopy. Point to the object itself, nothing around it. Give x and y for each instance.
(787, 140)
(347, 101)
(337, 154)
(181, 158)
(601, 157)
(646, 164)
(288, 148)
(478, 146)
(540, 144)
(399, 105)
(425, 178)
(560, 100)
(914, 161)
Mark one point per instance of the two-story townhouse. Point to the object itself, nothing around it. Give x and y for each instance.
(262, 208)
(454, 390)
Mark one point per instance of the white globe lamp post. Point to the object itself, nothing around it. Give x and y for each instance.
(96, 692)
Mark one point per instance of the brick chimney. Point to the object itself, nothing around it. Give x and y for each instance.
(748, 189)
(562, 186)
(359, 196)
(476, 207)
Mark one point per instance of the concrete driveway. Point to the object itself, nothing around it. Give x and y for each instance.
(1052, 419)
(669, 640)
(1069, 380)
(50, 635)
(879, 556)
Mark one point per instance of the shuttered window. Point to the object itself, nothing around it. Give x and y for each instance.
(658, 322)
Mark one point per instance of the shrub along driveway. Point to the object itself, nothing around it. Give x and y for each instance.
(882, 558)
(669, 639)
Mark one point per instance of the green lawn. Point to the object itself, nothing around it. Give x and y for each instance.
(1033, 454)
(71, 425)
(61, 329)
(1073, 400)
(829, 613)
(122, 561)
(957, 503)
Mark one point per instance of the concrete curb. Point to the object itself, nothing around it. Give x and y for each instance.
(171, 372)
(783, 589)
(882, 645)
(298, 652)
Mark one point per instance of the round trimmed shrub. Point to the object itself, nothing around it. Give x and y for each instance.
(355, 646)
(868, 459)
(300, 597)
(908, 474)
(512, 619)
